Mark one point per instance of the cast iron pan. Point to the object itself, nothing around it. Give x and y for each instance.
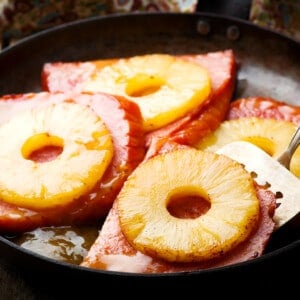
(269, 65)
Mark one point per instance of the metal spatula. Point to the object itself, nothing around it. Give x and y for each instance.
(270, 171)
(286, 156)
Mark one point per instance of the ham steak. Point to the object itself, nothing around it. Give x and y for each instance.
(122, 119)
(111, 251)
(264, 107)
(188, 130)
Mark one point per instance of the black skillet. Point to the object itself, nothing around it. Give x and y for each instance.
(269, 65)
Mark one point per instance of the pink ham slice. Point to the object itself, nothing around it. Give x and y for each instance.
(111, 251)
(188, 130)
(123, 120)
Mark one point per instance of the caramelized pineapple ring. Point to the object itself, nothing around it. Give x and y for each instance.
(164, 87)
(86, 151)
(272, 136)
(148, 225)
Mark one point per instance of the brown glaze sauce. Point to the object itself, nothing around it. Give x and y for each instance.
(66, 243)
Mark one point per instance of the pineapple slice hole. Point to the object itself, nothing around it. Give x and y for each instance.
(187, 203)
(151, 198)
(143, 85)
(42, 147)
(85, 150)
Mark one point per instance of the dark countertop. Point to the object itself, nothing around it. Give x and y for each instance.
(13, 286)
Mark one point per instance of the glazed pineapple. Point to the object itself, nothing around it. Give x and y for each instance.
(164, 87)
(272, 136)
(224, 196)
(86, 151)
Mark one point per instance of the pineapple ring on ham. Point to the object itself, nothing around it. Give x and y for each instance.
(271, 135)
(164, 87)
(145, 200)
(87, 150)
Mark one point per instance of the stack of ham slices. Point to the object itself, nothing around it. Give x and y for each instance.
(133, 145)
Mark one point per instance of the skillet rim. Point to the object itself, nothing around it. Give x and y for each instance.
(26, 41)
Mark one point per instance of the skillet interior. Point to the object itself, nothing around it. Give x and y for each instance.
(268, 66)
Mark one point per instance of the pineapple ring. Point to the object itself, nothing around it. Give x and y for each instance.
(87, 150)
(148, 225)
(272, 136)
(164, 87)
